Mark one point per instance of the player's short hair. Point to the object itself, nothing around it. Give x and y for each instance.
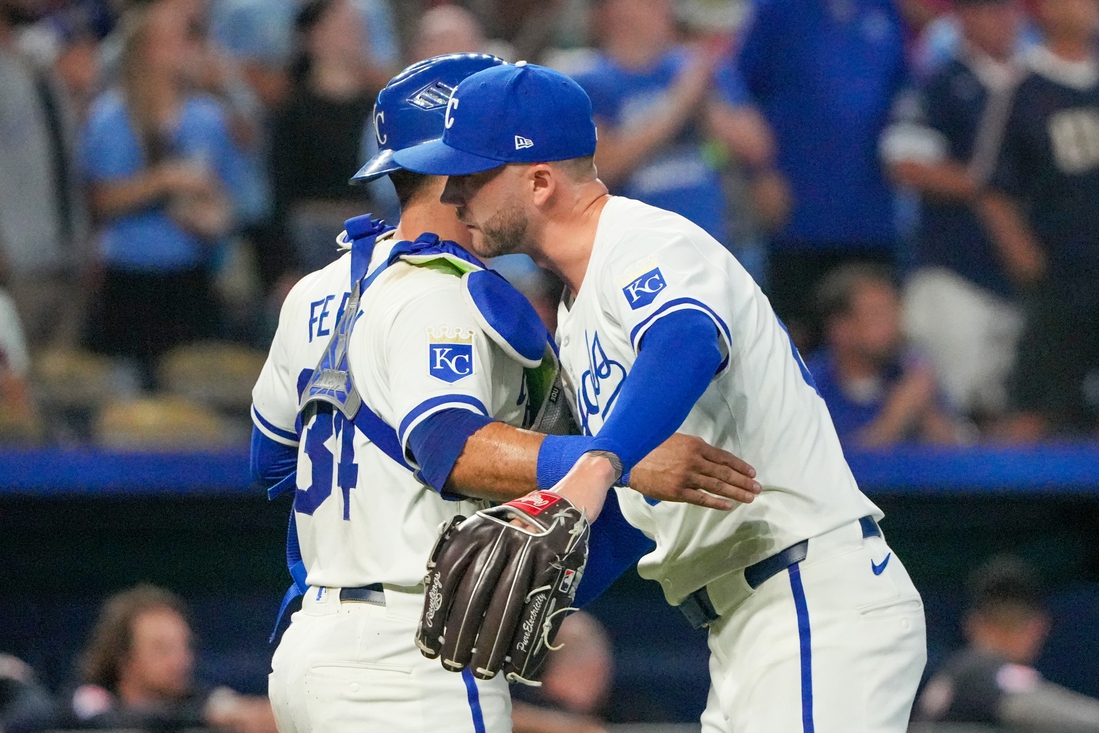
(1003, 588)
(113, 635)
(836, 293)
(580, 170)
(408, 185)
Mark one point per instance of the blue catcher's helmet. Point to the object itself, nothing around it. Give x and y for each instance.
(410, 109)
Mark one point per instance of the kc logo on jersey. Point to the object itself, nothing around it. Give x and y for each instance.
(450, 353)
(643, 290)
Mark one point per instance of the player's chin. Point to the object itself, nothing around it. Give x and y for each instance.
(477, 243)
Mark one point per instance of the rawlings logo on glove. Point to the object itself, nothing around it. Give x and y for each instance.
(499, 585)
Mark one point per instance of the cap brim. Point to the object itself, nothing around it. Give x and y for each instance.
(435, 158)
(380, 165)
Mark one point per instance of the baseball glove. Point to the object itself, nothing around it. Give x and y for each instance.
(498, 590)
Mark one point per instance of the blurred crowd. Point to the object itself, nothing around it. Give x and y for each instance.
(136, 672)
(914, 184)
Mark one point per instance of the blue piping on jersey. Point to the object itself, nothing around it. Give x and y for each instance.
(805, 641)
(433, 402)
(674, 304)
(276, 432)
(474, 697)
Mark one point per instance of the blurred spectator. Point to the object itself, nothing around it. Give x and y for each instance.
(529, 27)
(993, 680)
(159, 161)
(1043, 211)
(575, 683)
(319, 135)
(919, 14)
(24, 705)
(447, 29)
(960, 303)
(655, 102)
(824, 75)
(68, 41)
(209, 70)
(260, 35)
(43, 221)
(877, 392)
(19, 421)
(137, 672)
(941, 42)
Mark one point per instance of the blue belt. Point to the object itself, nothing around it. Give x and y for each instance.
(373, 593)
(700, 611)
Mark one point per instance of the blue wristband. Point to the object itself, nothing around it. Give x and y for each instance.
(557, 455)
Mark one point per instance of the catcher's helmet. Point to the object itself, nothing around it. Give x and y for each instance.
(410, 109)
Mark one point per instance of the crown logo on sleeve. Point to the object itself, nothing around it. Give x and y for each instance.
(444, 335)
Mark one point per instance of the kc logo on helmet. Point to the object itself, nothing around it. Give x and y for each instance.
(643, 290)
(450, 354)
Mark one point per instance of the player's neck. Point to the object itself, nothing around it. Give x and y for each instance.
(566, 240)
(428, 215)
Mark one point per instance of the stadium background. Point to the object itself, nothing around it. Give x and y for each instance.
(113, 473)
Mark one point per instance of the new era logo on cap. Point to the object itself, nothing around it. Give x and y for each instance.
(522, 142)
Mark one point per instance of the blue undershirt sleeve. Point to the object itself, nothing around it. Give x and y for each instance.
(678, 357)
(437, 442)
(271, 461)
(614, 546)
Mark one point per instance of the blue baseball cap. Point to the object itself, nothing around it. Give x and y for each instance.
(515, 113)
(410, 109)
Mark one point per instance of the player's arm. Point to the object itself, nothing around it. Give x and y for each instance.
(500, 462)
(678, 356)
(274, 446)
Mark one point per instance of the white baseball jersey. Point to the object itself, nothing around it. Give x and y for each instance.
(762, 406)
(361, 517)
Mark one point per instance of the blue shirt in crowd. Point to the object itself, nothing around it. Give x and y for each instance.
(150, 239)
(824, 74)
(850, 413)
(678, 177)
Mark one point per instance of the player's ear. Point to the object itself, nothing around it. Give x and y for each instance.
(543, 183)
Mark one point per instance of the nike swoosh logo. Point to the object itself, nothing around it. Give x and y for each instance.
(879, 568)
